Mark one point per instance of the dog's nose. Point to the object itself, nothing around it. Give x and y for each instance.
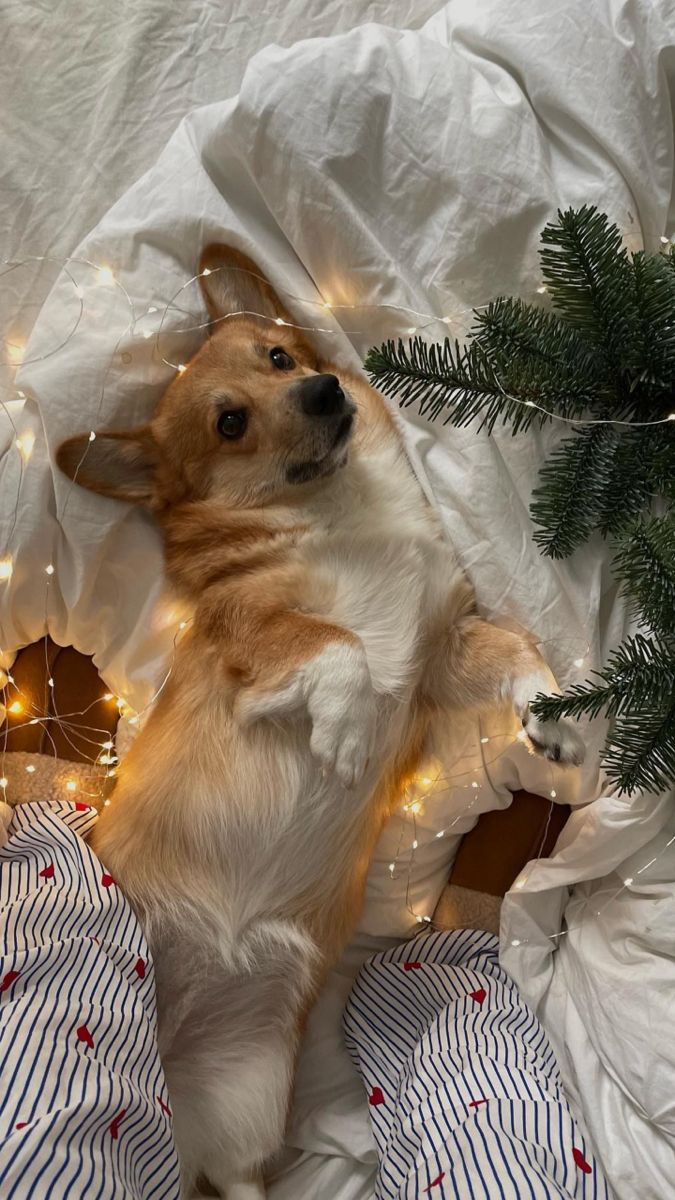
(321, 396)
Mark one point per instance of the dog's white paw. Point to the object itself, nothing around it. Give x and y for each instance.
(342, 706)
(559, 741)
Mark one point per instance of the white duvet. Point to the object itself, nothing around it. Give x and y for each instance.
(412, 168)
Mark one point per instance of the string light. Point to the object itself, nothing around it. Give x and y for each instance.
(4, 782)
(15, 707)
(579, 662)
(107, 696)
(49, 570)
(71, 785)
(30, 769)
(6, 568)
(50, 682)
(25, 444)
(92, 436)
(105, 276)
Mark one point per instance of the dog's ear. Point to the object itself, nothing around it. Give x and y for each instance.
(232, 283)
(121, 465)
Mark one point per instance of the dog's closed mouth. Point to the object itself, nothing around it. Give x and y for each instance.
(343, 429)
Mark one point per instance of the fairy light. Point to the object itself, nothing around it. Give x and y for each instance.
(92, 436)
(4, 782)
(280, 321)
(49, 570)
(15, 353)
(30, 769)
(553, 794)
(107, 745)
(147, 333)
(181, 368)
(105, 276)
(15, 708)
(71, 785)
(50, 682)
(25, 444)
(627, 882)
(664, 241)
(578, 662)
(6, 568)
(107, 696)
(541, 291)
(484, 741)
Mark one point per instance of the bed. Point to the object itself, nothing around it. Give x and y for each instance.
(395, 165)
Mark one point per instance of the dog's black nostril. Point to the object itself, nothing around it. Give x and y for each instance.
(321, 396)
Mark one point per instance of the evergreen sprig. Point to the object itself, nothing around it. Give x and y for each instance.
(605, 356)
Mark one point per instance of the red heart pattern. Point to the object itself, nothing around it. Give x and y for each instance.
(411, 966)
(47, 872)
(475, 1103)
(83, 1035)
(478, 996)
(139, 968)
(21, 1124)
(164, 1106)
(581, 1162)
(114, 1126)
(435, 1182)
(81, 806)
(8, 980)
(376, 1097)
(106, 879)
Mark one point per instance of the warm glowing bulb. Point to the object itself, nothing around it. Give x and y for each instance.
(92, 436)
(30, 769)
(181, 368)
(105, 275)
(15, 707)
(419, 919)
(671, 416)
(147, 333)
(515, 942)
(133, 720)
(206, 271)
(415, 807)
(50, 569)
(627, 882)
(4, 782)
(108, 696)
(553, 795)
(107, 745)
(71, 785)
(152, 309)
(412, 329)
(183, 625)
(34, 721)
(664, 241)
(106, 803)
(15, 352)
(6, 568)
(441, 834)
(542, 289)
(578, 662)
(475, 783)
(279, 321)
(484, 741)
(425, 781)
(392, 866)
(415, 845)
(50, 682)
(25, 444)
(326, 304)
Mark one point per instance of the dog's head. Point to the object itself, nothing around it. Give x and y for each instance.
(252, 416)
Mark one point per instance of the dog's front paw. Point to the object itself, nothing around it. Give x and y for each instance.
(342, 707)
(558, 741)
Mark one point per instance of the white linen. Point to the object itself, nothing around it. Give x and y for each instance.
(409, 168)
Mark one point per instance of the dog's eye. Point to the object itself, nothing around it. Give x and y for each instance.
(281, 360)
(232, 424)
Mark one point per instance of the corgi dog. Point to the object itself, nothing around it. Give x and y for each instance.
(332, 627)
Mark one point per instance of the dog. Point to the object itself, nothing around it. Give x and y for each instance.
(331, 628)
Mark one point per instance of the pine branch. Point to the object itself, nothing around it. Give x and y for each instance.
(645, 562)
(444, 378)
(568, 500)
(641, 672)
(641, 750)
(589, 277)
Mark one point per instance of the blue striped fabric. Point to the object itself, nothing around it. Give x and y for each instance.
(84, 1111)
(465, 1094)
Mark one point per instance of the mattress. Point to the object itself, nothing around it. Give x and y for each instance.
(397, 164)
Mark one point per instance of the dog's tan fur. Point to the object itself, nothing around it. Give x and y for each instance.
(331, 628)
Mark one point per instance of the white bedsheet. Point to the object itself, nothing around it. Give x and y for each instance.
(380, 166)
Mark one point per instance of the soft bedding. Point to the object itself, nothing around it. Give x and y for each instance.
(413, 169)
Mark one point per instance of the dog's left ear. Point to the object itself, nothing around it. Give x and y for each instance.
(232, 283)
